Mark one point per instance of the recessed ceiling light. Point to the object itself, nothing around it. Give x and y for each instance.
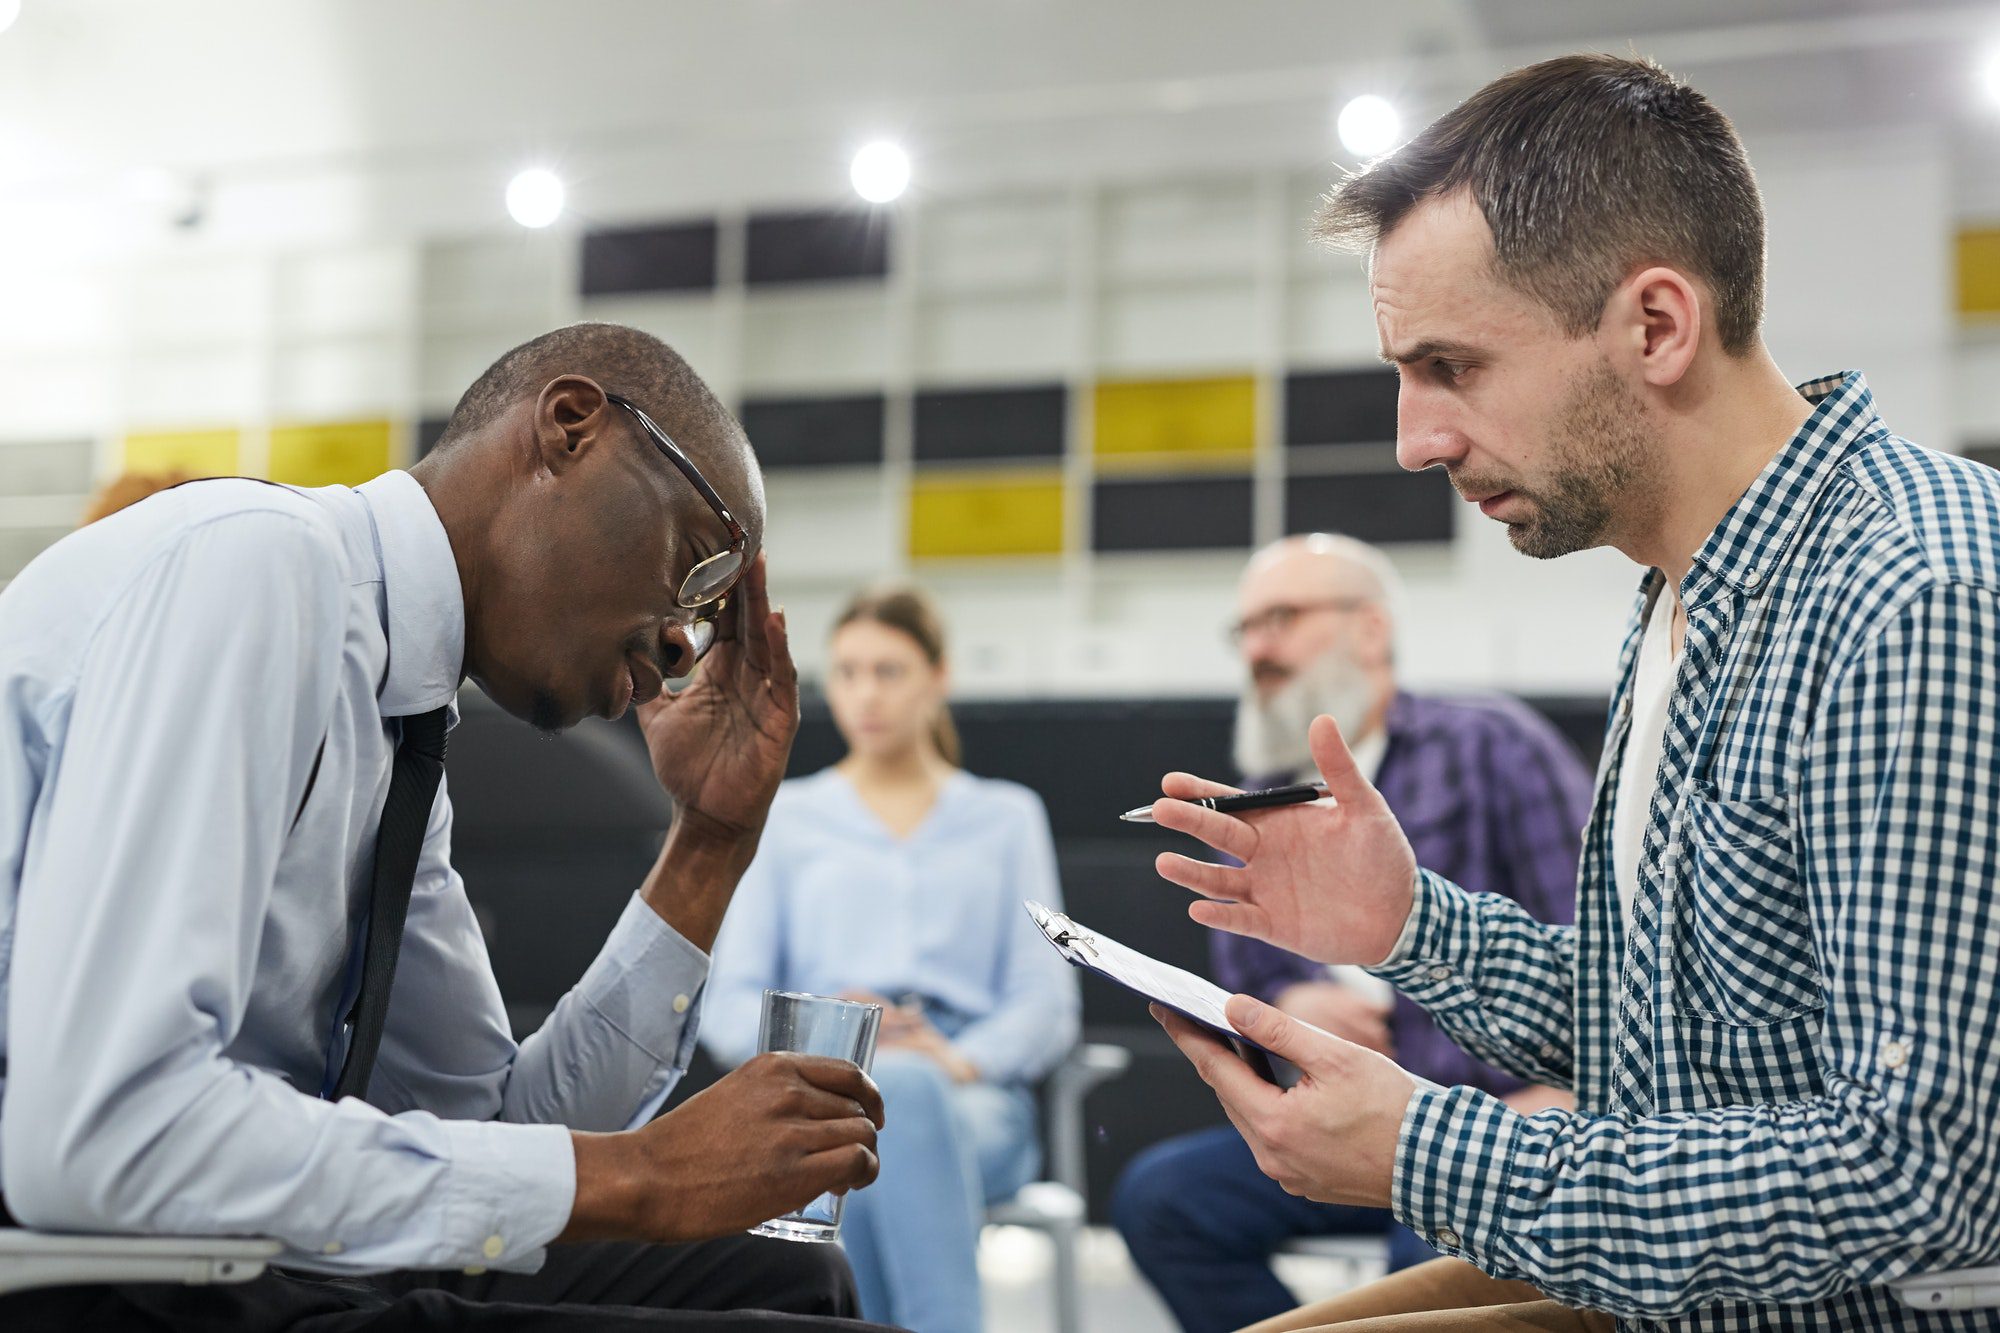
(535, 198)
(1369, 126)
(880, 172)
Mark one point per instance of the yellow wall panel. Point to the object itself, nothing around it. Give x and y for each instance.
(987, 513)
(1979, 271)
(198, 453)
(344, 453)
(1177, 419)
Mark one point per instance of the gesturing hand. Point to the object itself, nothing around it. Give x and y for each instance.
(1333, 882)
(719, 746)
(768, 1138)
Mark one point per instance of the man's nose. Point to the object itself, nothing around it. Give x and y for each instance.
(677, 655)
(1425, 435)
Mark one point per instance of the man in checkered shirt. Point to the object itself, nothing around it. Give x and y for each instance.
(1777, 1006)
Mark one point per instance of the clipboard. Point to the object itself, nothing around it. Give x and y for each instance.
(1194, 998)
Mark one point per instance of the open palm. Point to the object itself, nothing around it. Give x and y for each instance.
(719, 746)
(1332, 881)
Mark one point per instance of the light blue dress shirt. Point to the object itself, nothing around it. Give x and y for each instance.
(180, 917)
(835, 901)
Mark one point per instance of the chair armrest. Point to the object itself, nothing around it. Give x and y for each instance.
(1087, 1065)
(50, 1259)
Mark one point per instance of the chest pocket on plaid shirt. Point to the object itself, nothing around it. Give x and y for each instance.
(1748, 984)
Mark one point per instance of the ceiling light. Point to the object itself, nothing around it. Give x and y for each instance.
(9, 11)
(1989, 75)
(535, 198)
(1369, 126)
(880, 172)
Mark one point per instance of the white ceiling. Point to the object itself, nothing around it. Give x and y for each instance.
(307, 116)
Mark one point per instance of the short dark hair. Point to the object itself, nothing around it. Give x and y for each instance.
(625, 361)
(1586, 168)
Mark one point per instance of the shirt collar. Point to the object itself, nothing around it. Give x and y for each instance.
(426, 606)
(1753, 537)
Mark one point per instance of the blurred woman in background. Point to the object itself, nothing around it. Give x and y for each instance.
(898, 877)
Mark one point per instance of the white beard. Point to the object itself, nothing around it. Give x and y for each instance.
(1271, 733)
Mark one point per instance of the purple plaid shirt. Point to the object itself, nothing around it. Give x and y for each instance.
(1492, 798)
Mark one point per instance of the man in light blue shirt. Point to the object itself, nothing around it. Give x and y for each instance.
(200, 700)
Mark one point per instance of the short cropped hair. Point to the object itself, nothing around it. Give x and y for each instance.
(625, 361)
(1587, 168)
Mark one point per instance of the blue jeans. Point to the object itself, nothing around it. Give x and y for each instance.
(947, 1151)
(1202, 1222)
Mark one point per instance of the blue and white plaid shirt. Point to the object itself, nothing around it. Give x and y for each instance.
(1786, 1072)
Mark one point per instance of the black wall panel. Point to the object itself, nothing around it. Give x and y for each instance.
(816, 247)
(677, 257)
(1373, 506)
(1340, 407)
(960, 425)
(815, 432)
(1171, 514)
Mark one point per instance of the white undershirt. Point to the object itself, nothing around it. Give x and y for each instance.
(1645, 744)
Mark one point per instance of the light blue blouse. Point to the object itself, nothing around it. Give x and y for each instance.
(835, 901)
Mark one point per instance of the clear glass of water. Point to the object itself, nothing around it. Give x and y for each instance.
(816, 1025)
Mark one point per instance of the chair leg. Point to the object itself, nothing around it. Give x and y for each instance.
(1069, 1279)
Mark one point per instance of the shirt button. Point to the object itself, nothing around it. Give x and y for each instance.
(1549, 1051)
(1895, 1055)
(681, 1003)
(494, 1247)
(1440, 973)
(332, 1247)
(1446, 1238)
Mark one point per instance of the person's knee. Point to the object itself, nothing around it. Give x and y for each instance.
(809, 1280)
(1147, 1202)
(913, 1083)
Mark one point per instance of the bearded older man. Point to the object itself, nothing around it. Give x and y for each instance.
(1486, 784)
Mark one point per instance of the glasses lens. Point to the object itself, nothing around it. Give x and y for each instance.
(711, 578)
(701, 634)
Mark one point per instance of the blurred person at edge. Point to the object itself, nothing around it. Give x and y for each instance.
(896, 876)
(127, 489)
(1487, 787)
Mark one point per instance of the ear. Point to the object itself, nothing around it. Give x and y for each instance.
(1653, 325)
(1376, 634)
(571, 417)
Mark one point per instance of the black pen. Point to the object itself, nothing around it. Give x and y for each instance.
(1248, 800)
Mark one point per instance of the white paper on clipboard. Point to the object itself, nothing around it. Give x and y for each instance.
(1180, 990)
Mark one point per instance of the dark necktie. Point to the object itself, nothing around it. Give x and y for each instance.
(413, 784)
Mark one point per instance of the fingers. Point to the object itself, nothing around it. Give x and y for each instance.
(851, 1166)
(1188, 787)
(1309, 1048)
(1204, 877)
(842, 1077)
(1225, 833)
(1336, 762)
(1239, 1087)
(813, 1137)
(1238, 918)
(812, 1103)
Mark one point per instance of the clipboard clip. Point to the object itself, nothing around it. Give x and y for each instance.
(1064, 933)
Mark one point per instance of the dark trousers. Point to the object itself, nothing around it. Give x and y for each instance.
(1202, 1223)
(738, 1283)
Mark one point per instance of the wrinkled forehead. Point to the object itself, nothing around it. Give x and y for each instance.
(1433, 277)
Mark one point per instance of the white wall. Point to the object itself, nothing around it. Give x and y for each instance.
(1859, 277)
